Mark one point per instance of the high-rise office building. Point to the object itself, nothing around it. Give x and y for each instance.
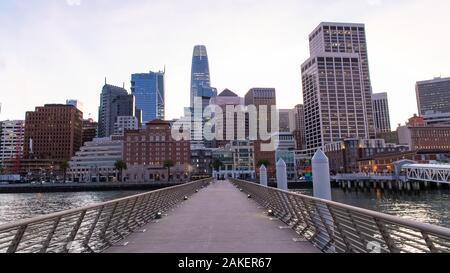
(433, 96)
(287, 120)
(200, 76)
(149, 91)
(114, 102)
(53, 132)
(259, 97)
(336, 85)
(201, 94)
(381, 113)
(299, 130)
(12, 134)
(231, 131)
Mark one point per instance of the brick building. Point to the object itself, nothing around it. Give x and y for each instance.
(344, 155)
(53, 132)
(146, 150)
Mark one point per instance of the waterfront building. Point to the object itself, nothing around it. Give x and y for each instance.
(149, 91)
(146, 150)
(237, 159)
(345, 154)
(95, 161)
(201, 160)
(12, 134)
(114, 102)
(286, 151)
(381, 112)
(53, 132)
(433, 96)
(386, 162)
(337, 91)
(425, 138)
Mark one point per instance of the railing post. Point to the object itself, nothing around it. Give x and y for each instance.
(17, 238)
(50, 235)
(429, 243)
(386, 237)
(92, 229)
(108, 222)
(74, 231)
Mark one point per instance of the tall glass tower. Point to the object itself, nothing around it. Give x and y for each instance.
(201, 94)
(200, 77)
(148, 88)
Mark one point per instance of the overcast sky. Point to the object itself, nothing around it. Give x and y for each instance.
(52, 50)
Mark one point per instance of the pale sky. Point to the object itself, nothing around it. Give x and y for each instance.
(53, 50)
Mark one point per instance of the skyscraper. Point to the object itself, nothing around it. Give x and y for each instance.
(53, 132)
(433, 96)
(336, 85)
(201, 94)
(200, 77)
(149, 90)
(299, 131)
(381, 113)
(262, 97)
(114, 102)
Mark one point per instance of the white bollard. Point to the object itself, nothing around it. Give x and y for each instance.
(282, 175)
(263, 175)
(322, 190)
(321, 175)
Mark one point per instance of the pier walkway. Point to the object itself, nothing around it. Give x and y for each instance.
(219, 219)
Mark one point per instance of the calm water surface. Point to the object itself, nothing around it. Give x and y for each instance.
(15, 207)
(431, 207)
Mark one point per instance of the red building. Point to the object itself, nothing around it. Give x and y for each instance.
(145, 151)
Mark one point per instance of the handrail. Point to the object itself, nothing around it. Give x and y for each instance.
(92, 228)
(336, 227)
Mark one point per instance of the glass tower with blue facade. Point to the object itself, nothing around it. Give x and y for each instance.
(200, 77)
(149, 91)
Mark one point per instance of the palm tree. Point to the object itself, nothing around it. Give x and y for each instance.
(120, 165)
(63, 166)
(217, 164)
(264, 162)
(168, 164)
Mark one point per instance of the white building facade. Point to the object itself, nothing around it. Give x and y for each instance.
(12, 133)
(95, 161)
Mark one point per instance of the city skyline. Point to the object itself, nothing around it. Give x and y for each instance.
(73, 33)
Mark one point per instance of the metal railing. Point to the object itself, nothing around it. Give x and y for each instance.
(338, 228)
(92, 228)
